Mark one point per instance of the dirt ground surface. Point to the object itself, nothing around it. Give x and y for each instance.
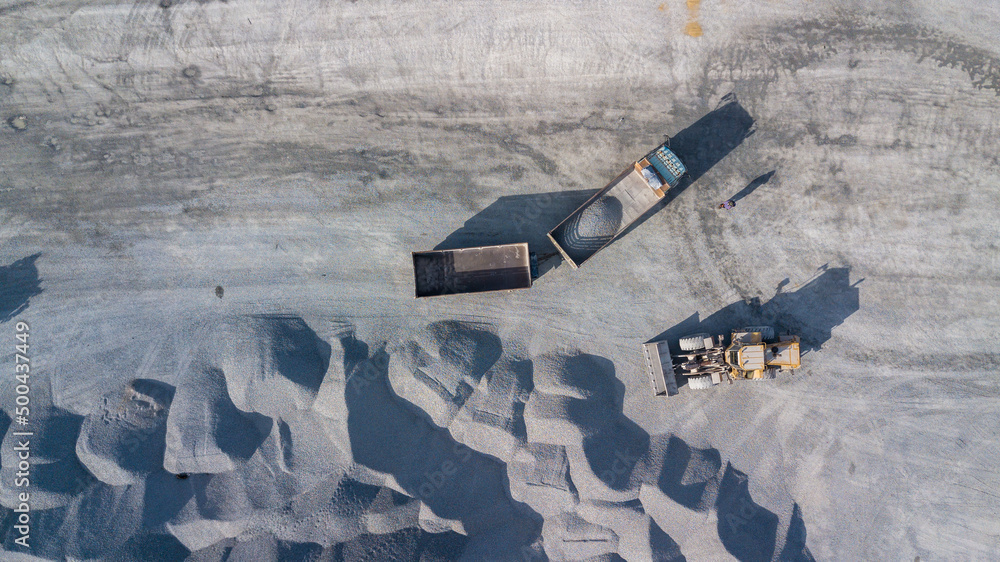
(189, 184)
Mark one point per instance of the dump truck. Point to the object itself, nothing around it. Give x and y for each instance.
(753, 353)
(473, 270)
(613, 209)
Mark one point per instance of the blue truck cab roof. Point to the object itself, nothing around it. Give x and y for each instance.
(667, 164)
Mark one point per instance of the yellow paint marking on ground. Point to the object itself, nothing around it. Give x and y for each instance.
(693, 28)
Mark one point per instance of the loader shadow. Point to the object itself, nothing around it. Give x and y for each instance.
(812, 311)
(704, 144)
(18, 283)
(520, 218)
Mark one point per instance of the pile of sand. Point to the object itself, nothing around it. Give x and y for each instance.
(599, 220)
(450, 444)
(440, 368)
(273, 364)
(123, 440)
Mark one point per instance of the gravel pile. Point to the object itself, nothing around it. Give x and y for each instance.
(600, 220)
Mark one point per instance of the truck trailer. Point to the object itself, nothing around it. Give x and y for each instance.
(472, 270)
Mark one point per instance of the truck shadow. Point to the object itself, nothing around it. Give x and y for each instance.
(18, 283)
(528, 218)
(812, 311)
(708, 140)
(520, 218)
(704, 144)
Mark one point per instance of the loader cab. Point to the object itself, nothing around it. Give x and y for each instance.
(746, 357)
(749, 359)
(733, 357)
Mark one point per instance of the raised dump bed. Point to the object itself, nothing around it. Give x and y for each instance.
(472, 270)
(611, 210)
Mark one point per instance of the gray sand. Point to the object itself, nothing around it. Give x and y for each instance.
(294, 153)
(599, 220)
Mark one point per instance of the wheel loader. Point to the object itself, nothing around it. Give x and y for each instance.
(753, 353)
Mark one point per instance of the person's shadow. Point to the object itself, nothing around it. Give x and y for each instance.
(757, 182)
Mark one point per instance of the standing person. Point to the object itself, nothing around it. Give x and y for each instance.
(728, 204)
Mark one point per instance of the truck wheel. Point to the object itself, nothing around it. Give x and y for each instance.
(700, 382)
(693, 343)
(766, 332)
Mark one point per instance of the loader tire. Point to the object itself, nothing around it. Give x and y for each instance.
(766, 332)
(700, 382)
(693, 343)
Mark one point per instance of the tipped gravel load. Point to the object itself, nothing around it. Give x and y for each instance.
(600, 220)
(621, 203)
(593, 227)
